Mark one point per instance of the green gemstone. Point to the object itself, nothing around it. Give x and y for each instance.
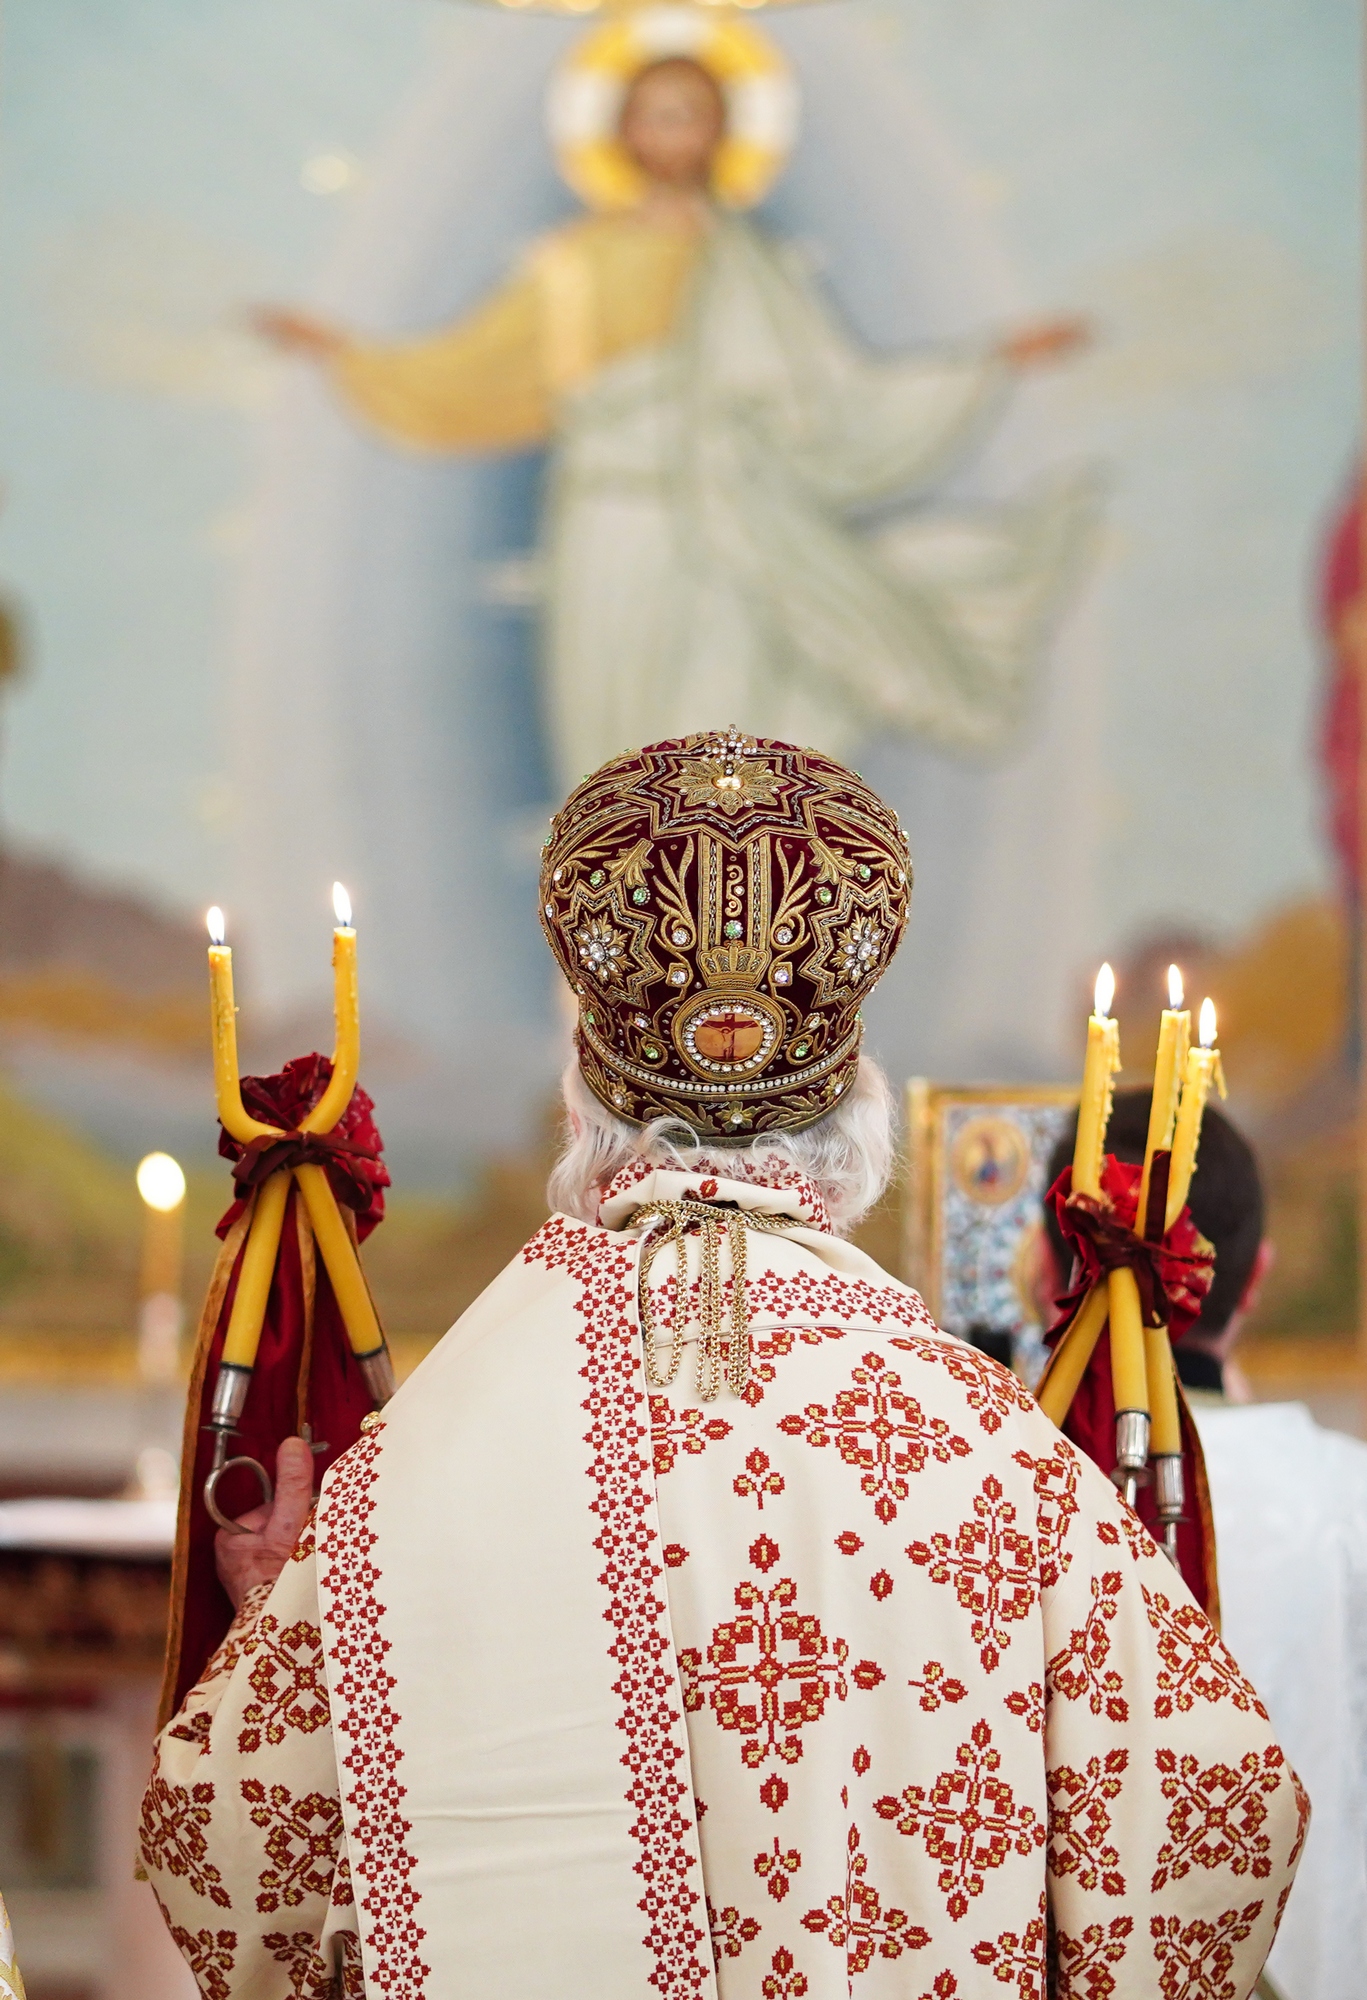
(823, 894)
(595, 878)
(640, 895)
(592, 1019)
(651, 1053)
(863, 871)
(802, 1051)
(733, 929)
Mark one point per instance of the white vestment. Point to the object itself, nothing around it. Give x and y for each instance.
(712, 554)
(1290, 1503)
(587, 1691)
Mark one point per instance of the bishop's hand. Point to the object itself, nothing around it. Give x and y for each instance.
(296, 333)
(259, 1555)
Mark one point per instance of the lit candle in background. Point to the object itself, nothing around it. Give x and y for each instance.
(161, 1183)
(346, 1058)
(1174, 1043)
(1203, 1068)
(223, 1016)
(1094, 1107)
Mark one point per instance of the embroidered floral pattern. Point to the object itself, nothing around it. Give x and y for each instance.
(172, 1840)
(310, 1977)
(759, 1481)
(289, 1682)
(1196, 1662)
(769, 1672)
(881, 1432)
(777, 1869)
(301, 1840)
(969, 1820)
(1018, 1959)
(938, 1687)
(991, 1565)
(1056, 1476)
(1196, 1959)
(857, 1923)
(210, 1956)
(1079, 1671)
(783, 1981)
(673, 1431)
(1028, 1704)
(1218, 1816)
(990, 1390)
(368, 1722)
(1084, 1962)
(731, 1932)
(1080, 1805)
(767, 1348)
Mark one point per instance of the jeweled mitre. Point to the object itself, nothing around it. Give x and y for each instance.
(721, 905)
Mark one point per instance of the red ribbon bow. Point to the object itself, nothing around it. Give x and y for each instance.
(1173, 1270)
(350, 1153)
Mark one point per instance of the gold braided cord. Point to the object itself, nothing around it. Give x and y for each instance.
(673, 1222)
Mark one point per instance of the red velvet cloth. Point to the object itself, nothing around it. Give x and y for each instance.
(334, 1397)
(1174, 1277)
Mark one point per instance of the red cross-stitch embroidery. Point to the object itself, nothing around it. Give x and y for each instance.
(944, 1986)
(991, 1565)
(759, 1481)
(310, 1976)
(775, 1869)
(857, 1924)
(353, 1972)
(731, 1932)
(1138, 1540)
(1218, 1815)
(622, 1506)
(990, 1390)
(1018, 1959)
(1028, 1704)
(673, 1431)
(881, 1432)
(1078, 1670)
(368, 1722)
(1197, 1958)
(194, 1729)
(937, 1687)
(1056, 1477)
(767, 1348)
(172, 1836)
(968, 1819)
(301, 1839)
(1196, 1662)
(783, 1981)
(769, 1672)
(288, 1681)
(209, 1955)
(1084, 1962)
(1302, 1822)
(805, 1299)
(1080, 1818)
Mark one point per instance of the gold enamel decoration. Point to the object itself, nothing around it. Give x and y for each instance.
(721, 905)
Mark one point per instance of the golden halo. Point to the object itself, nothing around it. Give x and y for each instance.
(584, 103)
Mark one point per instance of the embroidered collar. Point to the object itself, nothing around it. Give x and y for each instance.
(772, 1185)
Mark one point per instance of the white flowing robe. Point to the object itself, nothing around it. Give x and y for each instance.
(865, 1677)
(711, 552)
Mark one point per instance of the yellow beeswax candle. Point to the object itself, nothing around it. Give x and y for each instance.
(343, 1265)
(1094, 1106)
(1174, 1041)
(1129, 1381)
(1068, 1364)
(346, 1055)
(223, 1014)
(1165, 1439)
(255, 1273)
(1203, 1069)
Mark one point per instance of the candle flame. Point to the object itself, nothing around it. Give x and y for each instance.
(341, 903)
(218, 929)
(1105, 991)
(1207, 1023)
(161, 1182)
(1175, 989)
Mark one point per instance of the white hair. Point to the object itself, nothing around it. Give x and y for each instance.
(848, 1155)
